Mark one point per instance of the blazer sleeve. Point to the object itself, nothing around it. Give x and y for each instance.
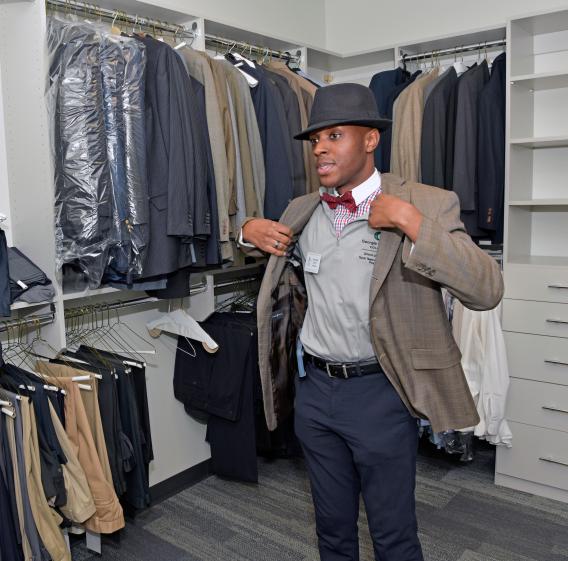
(444, 253)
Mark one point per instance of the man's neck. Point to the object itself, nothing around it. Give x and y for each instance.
(346, 188)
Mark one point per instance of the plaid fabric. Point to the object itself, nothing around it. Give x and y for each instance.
(343, 217)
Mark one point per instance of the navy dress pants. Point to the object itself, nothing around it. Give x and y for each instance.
(358, 439)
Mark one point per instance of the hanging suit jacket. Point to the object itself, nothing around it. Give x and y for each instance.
(465, 181)
(293, 124)
(407, 128)
(386, 136)
(382, 84)
(198, 67)
(250, 145)
(410, 331)
(433, 149)
(276, 143)
(176, 162)
(491, 151)
(305, 91)
(217, 70)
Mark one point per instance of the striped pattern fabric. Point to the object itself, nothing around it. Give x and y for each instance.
(343, 216)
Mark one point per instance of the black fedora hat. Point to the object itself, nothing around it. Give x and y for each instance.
(343, 104)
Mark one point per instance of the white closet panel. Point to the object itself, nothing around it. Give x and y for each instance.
(535, 357)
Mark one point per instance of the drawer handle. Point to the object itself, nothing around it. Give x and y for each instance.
(552, 361)
(552, 320)
(553, 461)
(558, 286)
(553, 408)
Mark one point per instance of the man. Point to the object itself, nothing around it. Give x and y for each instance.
(378, 349)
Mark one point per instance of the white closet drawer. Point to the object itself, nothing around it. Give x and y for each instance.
(538, 403)
(535, 357)
(539, 455)
(539, 318)
(528, 282)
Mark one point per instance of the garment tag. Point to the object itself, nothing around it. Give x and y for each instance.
(312, 263)
(22, 284)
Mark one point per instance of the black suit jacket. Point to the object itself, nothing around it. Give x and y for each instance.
(491, 151)
(433, 150)
(465, 149)
(176, 162)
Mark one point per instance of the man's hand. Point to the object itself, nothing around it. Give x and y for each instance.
(268, 236)
(388, 211)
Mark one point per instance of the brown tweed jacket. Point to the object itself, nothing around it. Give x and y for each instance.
(410, 330)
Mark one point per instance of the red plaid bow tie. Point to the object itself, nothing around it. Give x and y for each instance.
(346, 200)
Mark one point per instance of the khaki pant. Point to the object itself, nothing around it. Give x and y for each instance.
(80, 505)
(108, 517)
(46, 519)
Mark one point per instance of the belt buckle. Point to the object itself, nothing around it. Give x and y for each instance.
(345, 375)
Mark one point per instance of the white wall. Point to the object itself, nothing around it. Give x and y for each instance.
(4, 195)
(369, 25)
(296, 21)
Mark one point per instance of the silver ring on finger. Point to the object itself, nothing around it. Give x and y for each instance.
(276, 244)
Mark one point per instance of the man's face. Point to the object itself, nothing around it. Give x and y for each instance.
(343, 154)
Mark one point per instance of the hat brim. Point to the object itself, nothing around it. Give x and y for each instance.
(381, 124)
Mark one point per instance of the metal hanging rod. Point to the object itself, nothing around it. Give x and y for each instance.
(34, 321)
(120, 304)
(104, 307)
(120, 17)
(247, 48)
(175, 29)
(454, 50)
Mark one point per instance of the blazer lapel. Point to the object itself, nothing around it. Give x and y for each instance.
(295, 217)
(391, 238)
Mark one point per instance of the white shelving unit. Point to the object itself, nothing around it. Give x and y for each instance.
(535, 310)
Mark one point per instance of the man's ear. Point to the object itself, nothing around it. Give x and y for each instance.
(372, 140)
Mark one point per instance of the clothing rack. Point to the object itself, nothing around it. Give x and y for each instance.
(118, 16)
(120, 304)
(453, 50)
(34, 321)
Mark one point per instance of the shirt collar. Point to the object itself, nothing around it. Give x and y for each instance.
(362, 191)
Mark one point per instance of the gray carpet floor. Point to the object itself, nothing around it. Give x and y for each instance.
(462, 517)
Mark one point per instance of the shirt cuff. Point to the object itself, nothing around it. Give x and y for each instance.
(242, 243)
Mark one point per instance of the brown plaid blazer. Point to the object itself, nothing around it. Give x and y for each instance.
(410, 330)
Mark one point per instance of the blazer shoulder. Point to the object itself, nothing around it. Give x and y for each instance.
(299, 206)
(428, 196)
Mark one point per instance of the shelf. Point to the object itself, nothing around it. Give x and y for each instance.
(538, 260)
(541, 142)
(540, 203)
(542, 81)
(88, 292)
(24, 305)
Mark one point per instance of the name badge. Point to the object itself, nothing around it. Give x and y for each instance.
(312, 263)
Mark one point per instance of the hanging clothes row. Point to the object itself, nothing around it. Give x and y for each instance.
(449, 131)
(480, 338)
(162, 151)
(75, 448)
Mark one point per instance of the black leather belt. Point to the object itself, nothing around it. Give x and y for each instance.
(344, 369)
